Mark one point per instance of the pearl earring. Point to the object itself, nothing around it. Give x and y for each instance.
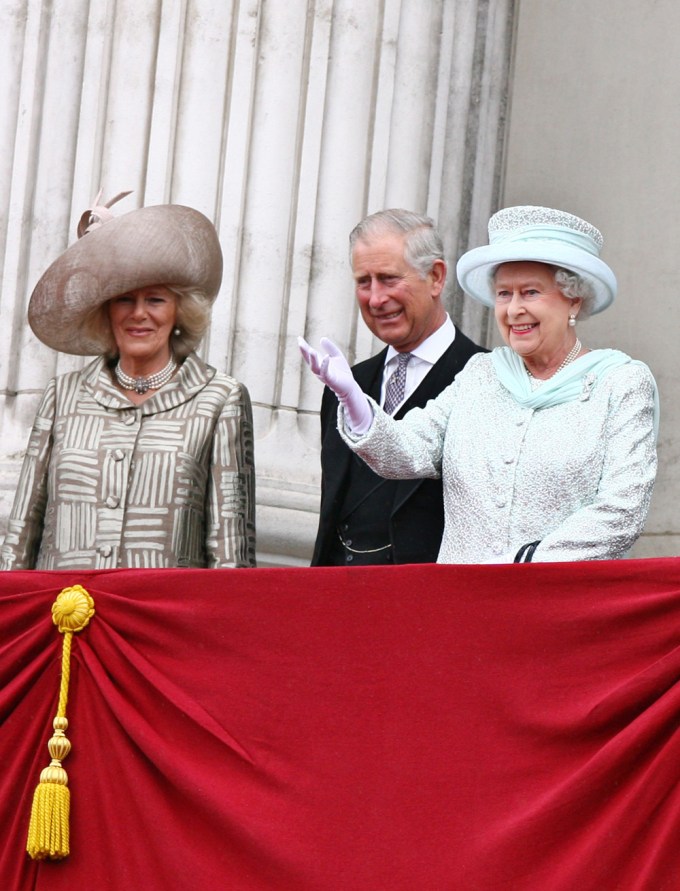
(572, 320)
(177, 332)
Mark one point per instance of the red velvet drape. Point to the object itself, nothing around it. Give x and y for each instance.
(400, 728)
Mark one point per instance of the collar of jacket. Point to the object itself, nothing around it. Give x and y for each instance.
(192, 377)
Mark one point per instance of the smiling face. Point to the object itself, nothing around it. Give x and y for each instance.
(399, 307)
(532, 314)
(142, 323)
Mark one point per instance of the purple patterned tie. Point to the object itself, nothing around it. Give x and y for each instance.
(396, 385)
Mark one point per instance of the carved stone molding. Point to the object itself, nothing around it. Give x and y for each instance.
(285, 122)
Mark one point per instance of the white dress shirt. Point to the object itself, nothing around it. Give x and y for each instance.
(423, 358)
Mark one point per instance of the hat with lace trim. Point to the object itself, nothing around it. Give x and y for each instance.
(165, 244)
(541, 235)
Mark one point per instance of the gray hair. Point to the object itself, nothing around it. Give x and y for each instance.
(575, 287)
(193, 318)
(422, 243)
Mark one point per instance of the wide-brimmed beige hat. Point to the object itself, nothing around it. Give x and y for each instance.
(166, 244)
(540, 234)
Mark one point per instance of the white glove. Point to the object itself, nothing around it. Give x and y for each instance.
(332, 369)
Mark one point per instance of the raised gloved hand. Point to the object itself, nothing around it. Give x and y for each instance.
(332, 369)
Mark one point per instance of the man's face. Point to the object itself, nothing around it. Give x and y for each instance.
(399, 307)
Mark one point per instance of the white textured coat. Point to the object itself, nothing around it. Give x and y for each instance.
(577, 476)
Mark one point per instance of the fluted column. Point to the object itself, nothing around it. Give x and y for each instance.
(285, 121)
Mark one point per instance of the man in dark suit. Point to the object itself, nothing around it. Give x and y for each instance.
(399, 273)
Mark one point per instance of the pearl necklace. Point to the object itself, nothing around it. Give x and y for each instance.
(571, 355)
(142, 384)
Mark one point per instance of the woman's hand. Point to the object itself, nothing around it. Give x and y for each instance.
(332, 369)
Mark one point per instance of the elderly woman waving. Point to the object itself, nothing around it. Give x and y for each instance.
(546, 449)
(144, 458)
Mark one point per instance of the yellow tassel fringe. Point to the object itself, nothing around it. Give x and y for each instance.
(48, 831)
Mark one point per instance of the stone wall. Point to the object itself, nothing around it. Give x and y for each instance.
(285, 122)
(594, 130)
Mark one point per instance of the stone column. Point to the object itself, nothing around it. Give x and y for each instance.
(285, 122)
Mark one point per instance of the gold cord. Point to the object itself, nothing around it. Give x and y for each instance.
(48, 830)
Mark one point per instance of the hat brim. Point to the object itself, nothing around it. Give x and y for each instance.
(475, 268)
(165, 244)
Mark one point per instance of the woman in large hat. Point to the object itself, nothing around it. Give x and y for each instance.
(546, 449)
(144, 458)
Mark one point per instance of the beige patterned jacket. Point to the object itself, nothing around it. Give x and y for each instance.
(108, 484)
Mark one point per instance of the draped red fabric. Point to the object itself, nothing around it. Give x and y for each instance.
(399, 728)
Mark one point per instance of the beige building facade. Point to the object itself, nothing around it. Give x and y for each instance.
(593, 128)
(287, 121)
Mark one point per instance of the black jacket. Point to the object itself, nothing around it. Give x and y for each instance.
(414, 522)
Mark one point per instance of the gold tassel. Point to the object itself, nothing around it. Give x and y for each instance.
(48, 830)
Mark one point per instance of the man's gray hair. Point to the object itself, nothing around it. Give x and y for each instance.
(422, 244)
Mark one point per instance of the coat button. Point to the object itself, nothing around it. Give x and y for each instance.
(105, 550)
(112, 501)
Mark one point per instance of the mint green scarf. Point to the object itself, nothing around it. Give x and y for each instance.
(574, 381)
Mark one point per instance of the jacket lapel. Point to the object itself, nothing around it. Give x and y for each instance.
(368, 375)
(437, 379)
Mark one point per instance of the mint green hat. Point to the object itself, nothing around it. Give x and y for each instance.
(540, 235)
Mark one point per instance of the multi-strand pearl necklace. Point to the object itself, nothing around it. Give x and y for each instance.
(571, 355)
(142, 384)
